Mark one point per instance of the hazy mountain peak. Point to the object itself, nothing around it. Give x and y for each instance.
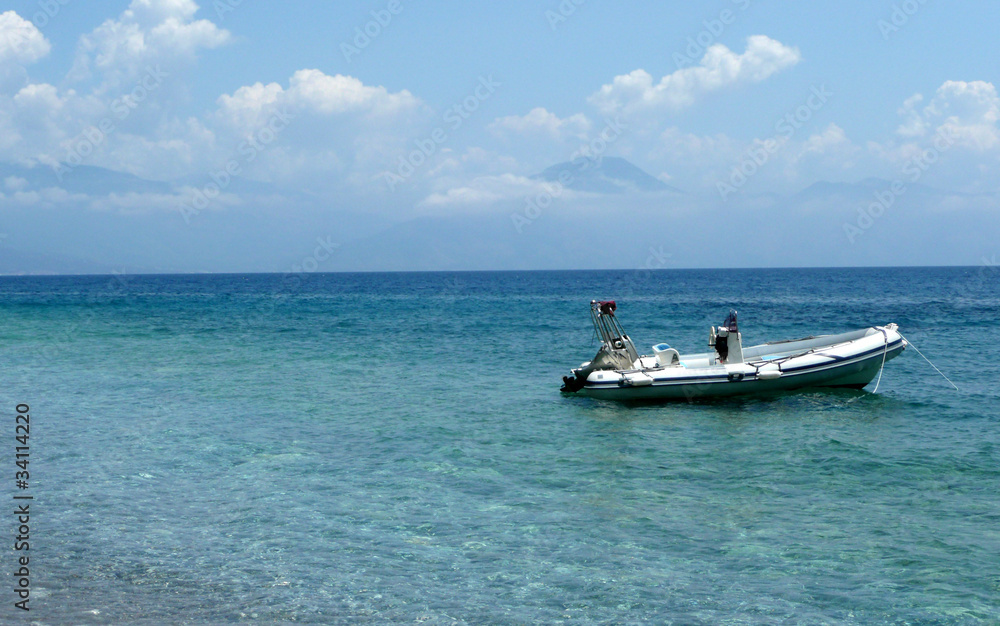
(608, 175)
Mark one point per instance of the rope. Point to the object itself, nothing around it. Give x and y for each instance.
(882, 367)
(931, 364)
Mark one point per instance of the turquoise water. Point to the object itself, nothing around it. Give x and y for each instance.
(390, 448)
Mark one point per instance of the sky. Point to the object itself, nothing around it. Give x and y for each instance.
(231, 136)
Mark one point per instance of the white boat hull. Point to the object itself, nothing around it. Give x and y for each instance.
(846, 360)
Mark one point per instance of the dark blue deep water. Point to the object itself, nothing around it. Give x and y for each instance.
(393, 448)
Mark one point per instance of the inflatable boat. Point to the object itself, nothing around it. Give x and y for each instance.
(618, 372)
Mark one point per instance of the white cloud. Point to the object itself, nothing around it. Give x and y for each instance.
(975, 101)
(153, 12)
(328, 123)
(170, 150)
(35, 120)
(137, 203)
(21, 44)
(47, 198)
(487, 190)
(20, 41)
(27, 197)
(40, 96)
(339, 125)
(719, 68)
(133, 55)
(540, 121)
(822, 156)
(698, 163)
(344, 94)
(690, 159)
(149, 32)
(682, 146)
(15, 183)
(58, 195)
(454, 169)
(311, 91)
(461, 196)
(968, 111)
(971, 111)
(249, 106)
(914, 123)
(951, 140)
(832, 138)
(336, 124)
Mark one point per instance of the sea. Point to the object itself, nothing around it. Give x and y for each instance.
(394, 449)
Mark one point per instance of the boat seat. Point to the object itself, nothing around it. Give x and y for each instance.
(666, 356)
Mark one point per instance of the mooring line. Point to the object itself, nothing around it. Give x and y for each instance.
(884, 352)
(929, 363)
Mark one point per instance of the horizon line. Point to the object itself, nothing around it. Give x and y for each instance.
(480, 271)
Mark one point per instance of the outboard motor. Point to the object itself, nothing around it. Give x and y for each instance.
(727, 341)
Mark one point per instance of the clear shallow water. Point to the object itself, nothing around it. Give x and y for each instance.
(393, 448)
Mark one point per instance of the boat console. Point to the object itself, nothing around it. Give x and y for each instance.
(727, 341)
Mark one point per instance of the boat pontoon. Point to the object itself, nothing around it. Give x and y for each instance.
(618, 372)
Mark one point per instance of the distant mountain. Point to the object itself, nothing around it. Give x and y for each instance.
(99, 181)
(17, 261)
(863, 190)
(86, 179)
(610, 175)
(657, 227)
